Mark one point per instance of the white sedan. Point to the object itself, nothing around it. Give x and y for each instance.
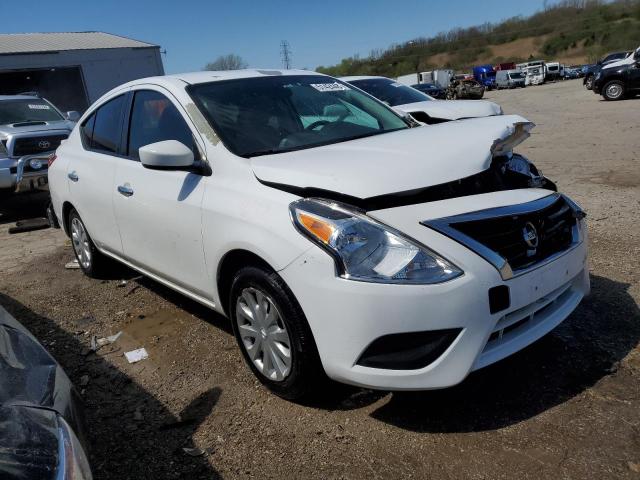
(421, 106)
(341, 240)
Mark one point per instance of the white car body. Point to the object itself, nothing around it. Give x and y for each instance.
(442, 109)
(178, 228)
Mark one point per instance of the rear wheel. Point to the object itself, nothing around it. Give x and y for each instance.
(273, 334)
(613, 90)
(91, 261)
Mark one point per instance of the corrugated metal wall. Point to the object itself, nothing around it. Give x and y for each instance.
(102, 69)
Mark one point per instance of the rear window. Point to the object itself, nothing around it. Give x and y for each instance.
(27, 110)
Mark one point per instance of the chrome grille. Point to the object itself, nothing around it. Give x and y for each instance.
(517, 238)
(551, 227)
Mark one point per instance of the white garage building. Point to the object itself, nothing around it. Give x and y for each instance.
(73, 69)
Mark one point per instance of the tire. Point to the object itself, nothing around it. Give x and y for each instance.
(266, 338)
(588, 84)
(613, 90)
(93, 263)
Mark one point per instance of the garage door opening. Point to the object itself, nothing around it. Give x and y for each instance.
(64, 87)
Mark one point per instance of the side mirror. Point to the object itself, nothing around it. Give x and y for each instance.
(166, 155)
(73, 116)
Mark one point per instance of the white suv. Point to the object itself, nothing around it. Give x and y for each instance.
(338, 237)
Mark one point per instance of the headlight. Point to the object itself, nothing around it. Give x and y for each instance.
(72, 460)
(36, 163)
(598, 75)
(366, 250)
(522, 166)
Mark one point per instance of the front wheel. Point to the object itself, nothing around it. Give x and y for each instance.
(613, 90)
(273, 334)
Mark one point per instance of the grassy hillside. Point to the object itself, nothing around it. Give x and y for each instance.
(572, 32)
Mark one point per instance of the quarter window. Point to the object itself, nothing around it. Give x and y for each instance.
(106, 131)
(87, 130)
(155, 119)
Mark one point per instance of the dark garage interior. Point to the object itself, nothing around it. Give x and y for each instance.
(64, 87)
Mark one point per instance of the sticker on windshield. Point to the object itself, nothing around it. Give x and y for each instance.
(329, 87)
(39, 107)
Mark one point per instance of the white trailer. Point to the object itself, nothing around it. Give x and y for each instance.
(410, 79)
(441, 77)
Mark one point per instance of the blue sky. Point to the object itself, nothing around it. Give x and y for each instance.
(320, 32)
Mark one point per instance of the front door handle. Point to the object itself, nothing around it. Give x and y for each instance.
(125, 190)
(73, 176)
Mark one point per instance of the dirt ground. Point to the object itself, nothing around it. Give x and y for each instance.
(566, 407)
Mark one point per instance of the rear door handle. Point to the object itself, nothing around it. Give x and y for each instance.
(125, 190)
(73, 176)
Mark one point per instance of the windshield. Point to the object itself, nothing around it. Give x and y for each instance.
(390, 92)
(516, 75)
(27, 110)
(614, 56)
(275, 114)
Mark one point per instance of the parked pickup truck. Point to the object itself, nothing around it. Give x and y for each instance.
(31, 129)
(616, 80)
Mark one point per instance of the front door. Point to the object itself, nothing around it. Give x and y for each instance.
(159, 212)
(634, 76)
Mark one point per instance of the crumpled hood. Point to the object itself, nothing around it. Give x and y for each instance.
(392, 162)
(453, 109)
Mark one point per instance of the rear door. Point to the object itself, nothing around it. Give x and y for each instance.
(91, 170)
(159, 211)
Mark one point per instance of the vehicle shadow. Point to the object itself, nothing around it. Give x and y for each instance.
(131, 433)
(585, 348)
(23, 206)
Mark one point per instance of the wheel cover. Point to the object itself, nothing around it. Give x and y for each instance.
(614, 91)
(263, 334)
(80, 241)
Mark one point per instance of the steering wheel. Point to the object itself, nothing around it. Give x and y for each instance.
(317, 124)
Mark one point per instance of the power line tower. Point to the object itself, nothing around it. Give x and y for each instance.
(285, 52)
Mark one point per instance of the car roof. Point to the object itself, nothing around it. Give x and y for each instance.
(354, 78)
(193, 78)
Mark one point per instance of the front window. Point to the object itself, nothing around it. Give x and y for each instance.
(155, 119)
(276, 114)
(390, 92)
(27, 110)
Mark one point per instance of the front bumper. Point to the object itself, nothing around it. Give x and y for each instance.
(597, 86)
(19, 177)
(347, 316)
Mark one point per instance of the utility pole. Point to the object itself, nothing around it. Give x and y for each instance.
(285, 52)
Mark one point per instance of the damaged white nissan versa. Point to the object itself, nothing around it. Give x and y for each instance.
(338, 237)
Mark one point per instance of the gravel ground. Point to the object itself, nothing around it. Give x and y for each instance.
(566, 407)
